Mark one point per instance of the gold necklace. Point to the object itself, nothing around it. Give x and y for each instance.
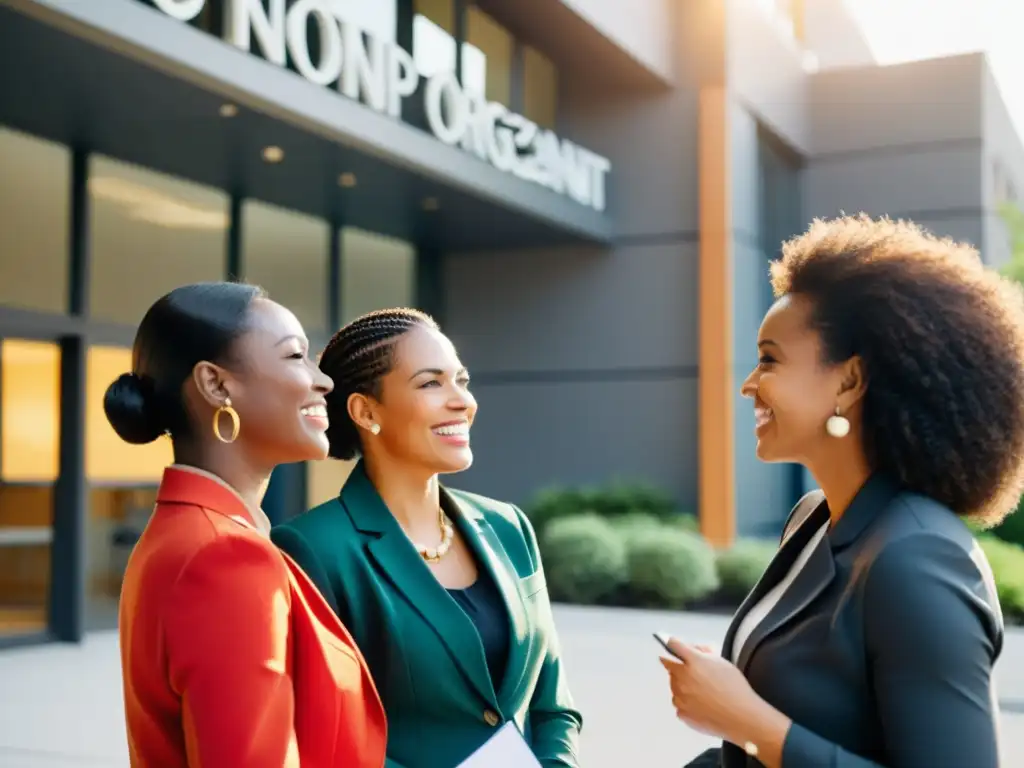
(434, 554)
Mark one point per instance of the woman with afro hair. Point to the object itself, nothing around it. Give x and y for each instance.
(892, 368)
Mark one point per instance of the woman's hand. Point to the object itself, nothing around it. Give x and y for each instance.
(712, 696)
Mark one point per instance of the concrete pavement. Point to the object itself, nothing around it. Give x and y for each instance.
(60, 706)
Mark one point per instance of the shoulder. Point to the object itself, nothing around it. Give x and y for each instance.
(327, 520)
(927, 568)
(500, 514)
(226, 562)
(506, 519)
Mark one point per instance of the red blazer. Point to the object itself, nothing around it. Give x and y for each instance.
(231, 657)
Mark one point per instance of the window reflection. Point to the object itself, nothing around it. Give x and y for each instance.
(487, 58)
(376, 272)
(151, 232)
(540, 88)
(117, 517)
(287, 253)
(35, 184)
(26, 534)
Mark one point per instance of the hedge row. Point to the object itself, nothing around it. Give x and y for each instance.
(630, 546)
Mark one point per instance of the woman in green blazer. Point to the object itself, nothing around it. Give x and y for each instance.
(442, 590)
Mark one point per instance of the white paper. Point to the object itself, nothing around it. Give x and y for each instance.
(505, 749)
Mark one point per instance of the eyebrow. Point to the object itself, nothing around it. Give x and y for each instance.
(435, 372)
(289, 337)
(766, 343)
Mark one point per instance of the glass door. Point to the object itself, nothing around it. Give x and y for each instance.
(29, 440)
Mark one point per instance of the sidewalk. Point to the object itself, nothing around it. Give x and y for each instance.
(60, 706)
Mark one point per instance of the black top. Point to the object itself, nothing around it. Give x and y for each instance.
(881, 651)
(484, 605)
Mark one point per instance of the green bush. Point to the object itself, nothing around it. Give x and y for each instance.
(610, 502)
(1007, 561)
(740, 566)
(669, 567)
(584, 559)
(1012, 528)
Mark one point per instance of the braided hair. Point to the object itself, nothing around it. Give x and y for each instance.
(356, 358)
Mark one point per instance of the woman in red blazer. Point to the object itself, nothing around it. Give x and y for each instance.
(231, 658)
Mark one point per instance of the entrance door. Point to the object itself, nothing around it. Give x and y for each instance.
(29, 440)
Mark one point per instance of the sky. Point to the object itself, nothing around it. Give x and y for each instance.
(908, 30)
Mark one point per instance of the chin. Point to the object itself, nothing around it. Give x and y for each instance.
(315, 449)
(456, 463)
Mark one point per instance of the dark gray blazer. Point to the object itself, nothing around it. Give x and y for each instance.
(881, 652)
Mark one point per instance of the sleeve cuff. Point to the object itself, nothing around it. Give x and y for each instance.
(804, 749)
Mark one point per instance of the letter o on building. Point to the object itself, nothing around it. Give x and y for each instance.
(447, 112)
(182, 10)
(331, 59)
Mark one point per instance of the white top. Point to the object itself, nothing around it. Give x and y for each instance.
(759, 612)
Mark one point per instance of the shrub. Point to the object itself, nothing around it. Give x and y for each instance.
(584, 559)
(1007, 561)
(668, 567)
(1012, 528)
(740, 566)
(610, 502)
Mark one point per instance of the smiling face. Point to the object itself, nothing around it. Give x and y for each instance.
(274, 386)
(793, 389)
(425, 410)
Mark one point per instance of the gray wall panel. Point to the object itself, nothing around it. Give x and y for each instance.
(869, 107)
(529, 436)
(562, 310)
(894, 182)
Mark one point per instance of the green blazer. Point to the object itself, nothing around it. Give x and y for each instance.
(422, 649)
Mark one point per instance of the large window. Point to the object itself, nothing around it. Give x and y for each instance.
(487, 58)
(287, 253)
(376, 272)
(29, 428)
(35, 193)
(152, 233)
(540, 88)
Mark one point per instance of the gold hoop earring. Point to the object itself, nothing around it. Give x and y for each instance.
(236, 424)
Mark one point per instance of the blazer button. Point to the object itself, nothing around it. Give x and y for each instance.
(491, 717)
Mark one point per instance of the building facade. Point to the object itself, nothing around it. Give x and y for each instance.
(587, 198)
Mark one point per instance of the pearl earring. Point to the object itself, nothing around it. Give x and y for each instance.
(375, 429)
(837, 426)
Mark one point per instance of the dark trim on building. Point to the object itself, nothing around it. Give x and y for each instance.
(429, 283)
(67, 552)
(586, 376)
(78, 235)
(658, 238)
(910, 148)
(233, 248)
(459, 13)
(334, 277)
(25, 640)
(517, 88)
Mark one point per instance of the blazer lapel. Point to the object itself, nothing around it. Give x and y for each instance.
(774, 573)
(400, 563)
(816, 574)
(491, 555)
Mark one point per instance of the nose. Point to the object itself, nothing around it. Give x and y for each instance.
(462, 400)
(322, 383)
(749, 386)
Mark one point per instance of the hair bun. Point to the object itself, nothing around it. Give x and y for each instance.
(131, 408)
